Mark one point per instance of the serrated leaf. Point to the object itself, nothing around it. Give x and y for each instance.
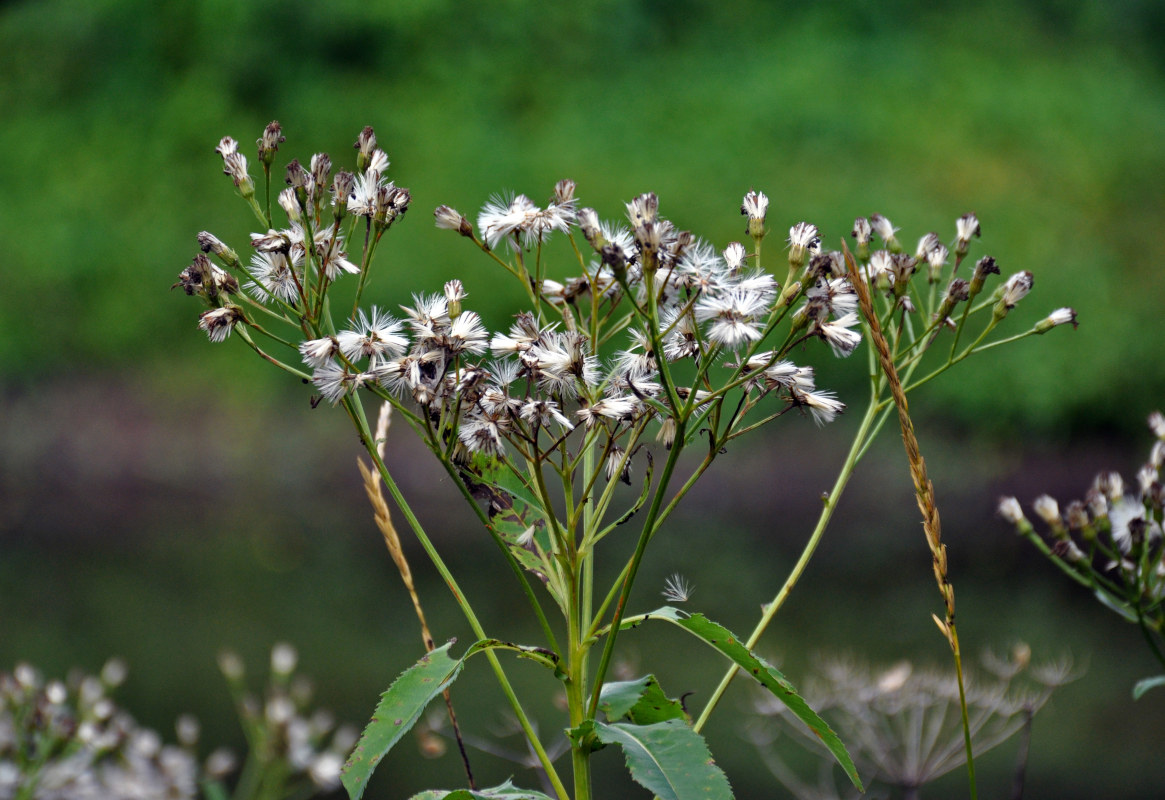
(1145, 684)
(641, 701)
(400, 707)
(507, 790)
(667, 758)
(723, 640)
(405, 700)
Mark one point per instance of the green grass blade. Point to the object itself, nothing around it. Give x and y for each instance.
(723, 640)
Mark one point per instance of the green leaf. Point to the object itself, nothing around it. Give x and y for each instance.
(722, 639)
(1145, 684)
(642, 701)
(400, 707)
(545, 657)
(1119, 606)
(667, 758)
(506, 790)
(405, 700)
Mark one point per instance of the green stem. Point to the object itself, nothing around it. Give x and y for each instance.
(356, 411)
(778, 600)
(633, 567)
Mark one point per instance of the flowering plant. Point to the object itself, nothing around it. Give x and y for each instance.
(656, 344)
(1110, 543)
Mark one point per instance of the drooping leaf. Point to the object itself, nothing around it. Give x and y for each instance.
(1119, 606)
(667, 758)
(1145, 684)
(723, 640)
(507, 791)
(545, 657)
(642, 701)
(400, 707)
(405, 700)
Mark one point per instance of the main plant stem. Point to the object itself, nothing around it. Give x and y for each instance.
(356, 411)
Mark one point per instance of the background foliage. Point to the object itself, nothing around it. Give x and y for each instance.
(160, 498)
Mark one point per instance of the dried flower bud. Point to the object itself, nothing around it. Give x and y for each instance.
(588, 223)
(209, 243)
(187, 729)
(220, 763)
(755, 207)
(983, 267)
(1157, 424)
(1048, 510)
(1011, 510)
(269, 142)
(234, 164)
(617, 466)
(802, 237)
(197, 278)
(114, 672)
(1110, 484)
(283, 659)
(366, 144)
(321, 170)
(219, 322)
(564, 192)
(454, 294)
(343, 184)
(643, 210)
(1076, 515)
(885, 230)
(451, 220)
(231, 665)
(290, 205)
(966, 226)
(861, 233)
(297, 179)
(1061, 316)
(1015, 289)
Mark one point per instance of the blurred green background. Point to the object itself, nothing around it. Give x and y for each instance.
(161, 498)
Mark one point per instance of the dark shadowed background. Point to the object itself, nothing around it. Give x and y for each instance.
(162, 498)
